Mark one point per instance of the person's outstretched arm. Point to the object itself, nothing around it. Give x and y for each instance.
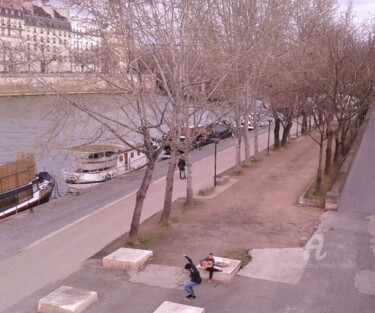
(190, 260)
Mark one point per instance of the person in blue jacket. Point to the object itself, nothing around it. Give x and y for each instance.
(195, 278)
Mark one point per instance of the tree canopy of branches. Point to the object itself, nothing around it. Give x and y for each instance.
(173, 66)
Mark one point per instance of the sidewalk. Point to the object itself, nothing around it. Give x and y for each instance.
(258, 211)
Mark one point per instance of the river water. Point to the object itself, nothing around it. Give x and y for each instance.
(43, 126)
(47, 126)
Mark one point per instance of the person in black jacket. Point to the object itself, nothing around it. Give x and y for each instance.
(195, 278)
(181, 165)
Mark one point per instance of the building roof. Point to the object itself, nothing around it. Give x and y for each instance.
(96, 148)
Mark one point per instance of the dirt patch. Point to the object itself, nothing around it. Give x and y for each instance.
(259, 211)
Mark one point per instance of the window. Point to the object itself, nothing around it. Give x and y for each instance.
(132, 155)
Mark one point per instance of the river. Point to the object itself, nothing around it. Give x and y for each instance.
(43, 126)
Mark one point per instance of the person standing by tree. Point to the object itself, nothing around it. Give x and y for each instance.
(181, 165)
(194, 281)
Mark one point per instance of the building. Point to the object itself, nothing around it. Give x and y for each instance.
(85, 46)
(44, 39)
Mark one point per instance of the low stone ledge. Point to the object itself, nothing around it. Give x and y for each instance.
(228, 272)
(171, 307)
(332, 200)
(127, 259)
(67, 300)
(206, 191)
(222, 180)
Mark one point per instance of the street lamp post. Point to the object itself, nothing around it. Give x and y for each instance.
(269, 131)
(216, 141)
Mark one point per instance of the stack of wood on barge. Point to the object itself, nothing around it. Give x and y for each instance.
(21, 188)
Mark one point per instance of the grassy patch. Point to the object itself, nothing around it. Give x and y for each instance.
(243, 255)
(172, 220)
(326, 185)
(145, 242)
(186, 207)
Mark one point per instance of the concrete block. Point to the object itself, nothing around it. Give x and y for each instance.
(206, 191)
(285, 265)
(67, 300)
(222, 180)
(127, 259)
(228, 271)
(171, 307)
(365, 282)
(332, 200)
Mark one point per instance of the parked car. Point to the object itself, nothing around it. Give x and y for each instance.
(221, 131)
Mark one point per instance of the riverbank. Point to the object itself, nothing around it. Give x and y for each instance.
(51, 84)
(63, 83)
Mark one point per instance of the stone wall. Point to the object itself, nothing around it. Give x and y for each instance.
(66, 83)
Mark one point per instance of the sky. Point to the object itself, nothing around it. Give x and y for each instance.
(364, 9)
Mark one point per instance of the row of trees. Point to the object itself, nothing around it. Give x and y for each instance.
(176, 65)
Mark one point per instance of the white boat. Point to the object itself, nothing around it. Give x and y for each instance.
(21, 188)
(99, 163)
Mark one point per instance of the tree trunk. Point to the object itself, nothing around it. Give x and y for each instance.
(336, 155)
(247, 144)
(237, 167)
(167, 207)
(327, 167)
(189, 188)
(344, 142)
(141, 195)
(304, 126)
(318, 185)
(256, 144)
(276, 132)
(286, 132)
